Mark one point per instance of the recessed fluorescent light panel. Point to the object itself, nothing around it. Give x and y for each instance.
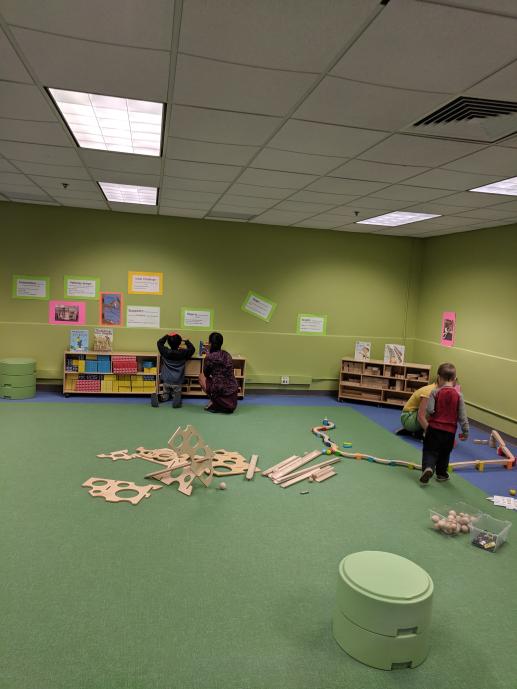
(397, 218)
(507, 187)
(112, 124)
(129, 193)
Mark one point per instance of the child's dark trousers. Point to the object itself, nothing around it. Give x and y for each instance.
(437, 449)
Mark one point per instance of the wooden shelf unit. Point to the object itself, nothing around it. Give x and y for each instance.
(191, 387)
(375, 381)
(137, 386)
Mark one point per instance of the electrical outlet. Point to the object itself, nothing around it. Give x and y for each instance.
(284, 380)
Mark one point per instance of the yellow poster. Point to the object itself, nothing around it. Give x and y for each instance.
(144, 283)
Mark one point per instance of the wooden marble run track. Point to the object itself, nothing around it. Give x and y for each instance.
(505, 458)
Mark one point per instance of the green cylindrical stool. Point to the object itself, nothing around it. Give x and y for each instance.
(383, 610)
(17, 378)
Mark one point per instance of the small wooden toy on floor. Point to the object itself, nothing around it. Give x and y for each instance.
(109, 489)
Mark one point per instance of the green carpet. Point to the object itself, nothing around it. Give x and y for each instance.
(226, 589)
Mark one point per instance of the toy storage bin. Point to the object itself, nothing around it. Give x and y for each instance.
(443, 512)
(495, 530)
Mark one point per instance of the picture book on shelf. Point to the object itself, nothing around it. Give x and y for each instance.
(79, 340)
(394, 354)
(103, 339)
(362, 351)
(204, 348)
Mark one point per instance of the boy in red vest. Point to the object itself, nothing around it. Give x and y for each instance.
(445, 409)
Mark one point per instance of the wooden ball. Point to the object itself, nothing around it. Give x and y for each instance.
(435, 518)
(222, 486)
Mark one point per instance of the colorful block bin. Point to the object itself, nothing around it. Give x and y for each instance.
(383, 610)
(17, 378)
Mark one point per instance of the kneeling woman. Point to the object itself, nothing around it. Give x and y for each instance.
(217, 378)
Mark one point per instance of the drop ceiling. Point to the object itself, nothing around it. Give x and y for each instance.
(291, 113)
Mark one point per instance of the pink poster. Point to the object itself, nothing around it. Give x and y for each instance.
(448, 328)
(67, 313)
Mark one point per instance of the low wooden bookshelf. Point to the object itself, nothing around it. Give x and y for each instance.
(375, 381)
(102, 373)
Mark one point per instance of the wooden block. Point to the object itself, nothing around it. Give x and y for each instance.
(305, 473)
(252, 467)
(295, 464)
(325, 476)
(266, 472)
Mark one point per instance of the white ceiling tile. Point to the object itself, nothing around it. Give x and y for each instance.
(301, 207)
(470, 199)
(35, 202)
(204, 152)
(274, 217)
(357, 229)
(316, 197)
(261, 192)
(233, 210)
(35, 153)
(24, 102)
(193, 205)
(63, 171)
(61, 194)
(139, 208)
(402, 149)
(504, 7)
(325, 221)
(125, 162)
(377, 204)
(435, 208)
(5, 166)
(340, 101)
(449, 49)
(221, 126)
(228, 86)
(207, 171)
(181, 212)
(500, 86)
(273, 159)
(112, 70)
(449, 179)
(495, 160)
(351, 187)
(127, 22)
(489, 214)
(14, 178)
(188, 196)
(55, 185)
(33, 132)
(11, 67)
(272, 34)
(118, 177)
(22, 191)
(324, 139)
(510, 206)
(248, 201)
(376, 172)
(273, 178)
(403, 193)
(194, 185)
(81, 203)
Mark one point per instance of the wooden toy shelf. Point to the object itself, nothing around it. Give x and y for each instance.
(107, 375)
(375, 381)
(191, 387)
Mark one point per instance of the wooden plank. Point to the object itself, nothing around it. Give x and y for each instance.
(266, 472)
(251, 469)
(324, 477)
(295, 464)
(306, 472)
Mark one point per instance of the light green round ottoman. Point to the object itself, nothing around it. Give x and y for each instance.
(17, 378)
(383, 610)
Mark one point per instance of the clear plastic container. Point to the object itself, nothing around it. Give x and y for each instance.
(438, 515)
(489, 533)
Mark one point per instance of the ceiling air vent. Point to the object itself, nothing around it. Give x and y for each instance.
(469, 119)
(223, 215)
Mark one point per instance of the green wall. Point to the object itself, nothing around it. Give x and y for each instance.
(474, 274)
(364, 283)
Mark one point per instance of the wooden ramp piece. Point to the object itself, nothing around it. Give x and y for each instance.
(252, 467)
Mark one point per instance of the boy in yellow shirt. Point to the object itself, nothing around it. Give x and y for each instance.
(413, 417)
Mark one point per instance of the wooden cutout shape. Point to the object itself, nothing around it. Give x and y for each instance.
(109, 489)
(117, 454)
(184, 479)
(189, 441)
(234, 462)
(163, 456)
